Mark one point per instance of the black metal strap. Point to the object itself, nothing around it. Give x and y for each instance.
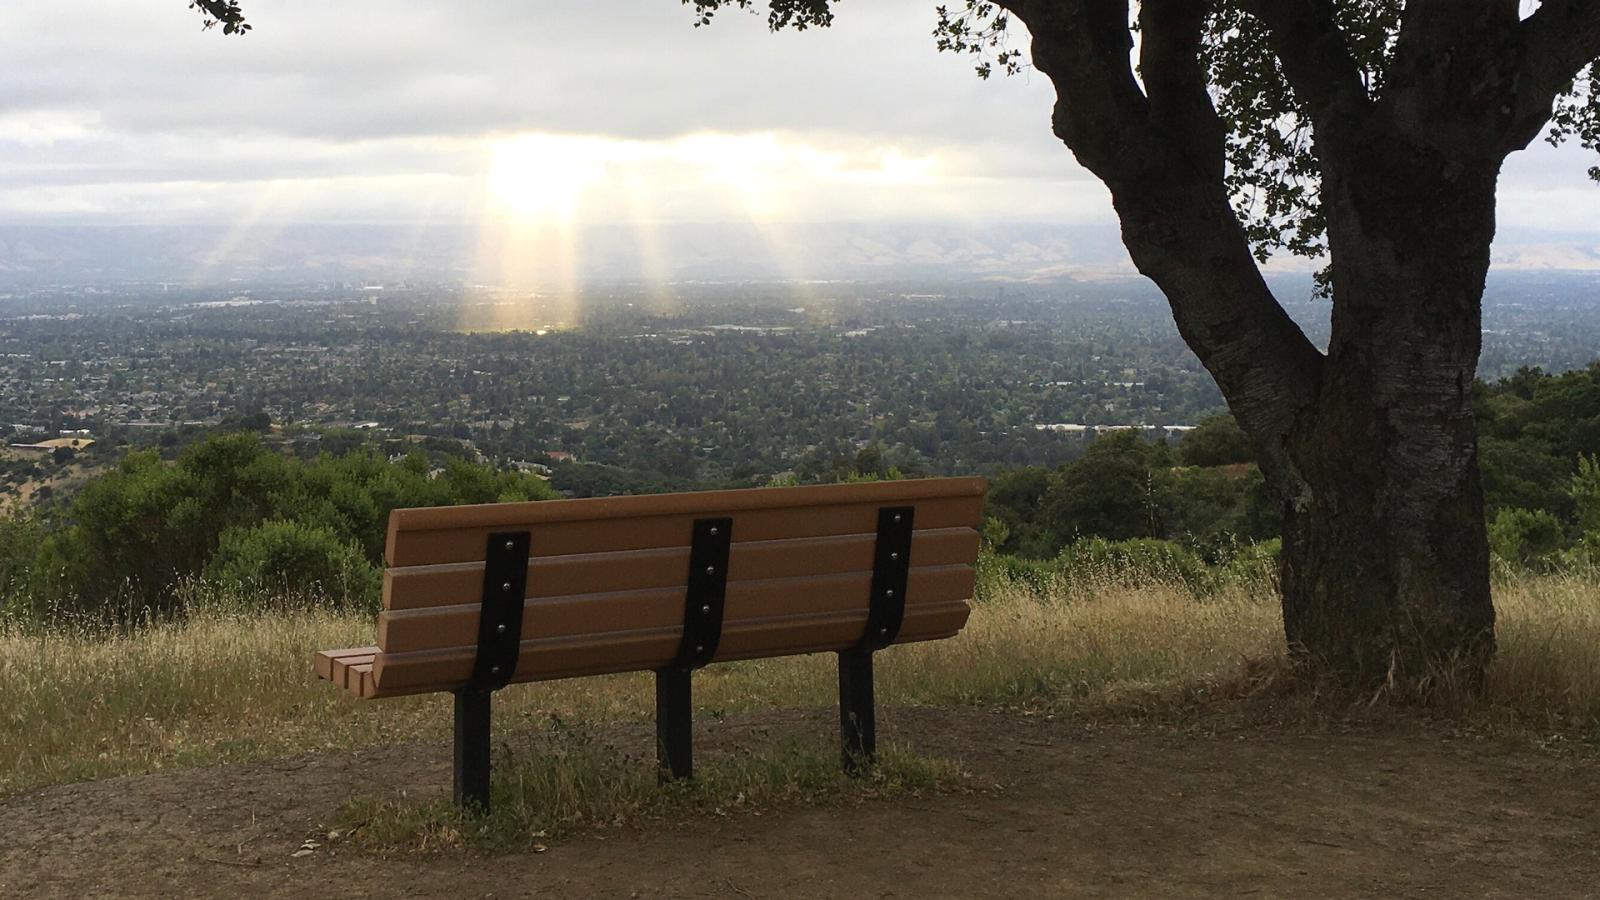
(505, 583)
(891, 564)
(708, 585)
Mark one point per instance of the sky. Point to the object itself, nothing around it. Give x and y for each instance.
(565, 112)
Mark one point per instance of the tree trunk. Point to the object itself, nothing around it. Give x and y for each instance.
(1385, 564)
(1388, 583)
(1371, 446)
(1385, 571)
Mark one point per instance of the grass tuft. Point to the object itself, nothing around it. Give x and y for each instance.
(567, 780)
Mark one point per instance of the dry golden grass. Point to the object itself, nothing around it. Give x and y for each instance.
(229, 686)
(1547, 671)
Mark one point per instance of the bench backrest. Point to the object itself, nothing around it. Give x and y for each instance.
(607, 578)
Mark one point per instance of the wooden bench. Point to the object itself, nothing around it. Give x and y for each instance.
(478, 597)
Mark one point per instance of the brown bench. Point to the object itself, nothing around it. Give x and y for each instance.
(478, 597)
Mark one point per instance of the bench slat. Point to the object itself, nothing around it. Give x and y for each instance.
(326, 662)
(571, 657)
(405, 631)
(504, 516)
(347, 668)
(448, 584)
(357, 676)
(792, 635)
(430, 546)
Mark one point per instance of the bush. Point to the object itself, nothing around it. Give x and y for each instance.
(1099, 562)
(997, 575)
(1093, 565)
(1252, 564)
(1523, 539)
(1585, 493)
(20, 538)
(281, 558)
(1215, 441)
(1583, 556)
(232, 509)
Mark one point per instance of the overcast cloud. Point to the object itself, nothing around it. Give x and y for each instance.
(403, 110)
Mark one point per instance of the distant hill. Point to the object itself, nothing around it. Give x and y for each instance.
(208, 255)
(36, 255)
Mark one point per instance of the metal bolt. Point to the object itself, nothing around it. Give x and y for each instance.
(894, 556)
(713, 531)
(711, 570)
(494, 670)
(706, 609)
(883, 631)
(500, 628)
(699, 648)
(506, 587)
(889, 592)
(897, 518)
(511, 545)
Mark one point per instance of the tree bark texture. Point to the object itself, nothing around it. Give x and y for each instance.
(1385, 570)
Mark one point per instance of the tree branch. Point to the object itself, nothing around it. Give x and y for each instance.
(1474, 74)
(1315, 59)
(1175, 80)
(1160, 155)
(222, 12)
(1559, 39)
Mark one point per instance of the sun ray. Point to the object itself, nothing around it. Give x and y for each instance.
(533, 189)
(641, 208)
(274, 206)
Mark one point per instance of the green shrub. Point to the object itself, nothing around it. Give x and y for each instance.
(281, 558)
(1584, 490)
(1092, 565)
(1099, 562)
(998, 575)
(233, 511)
(1216, 441)
(995, 533)
(1252, 564)
(1584, 556)
(20, 538)
(1523, 539)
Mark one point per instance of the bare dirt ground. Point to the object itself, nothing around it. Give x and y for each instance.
(1065, 809)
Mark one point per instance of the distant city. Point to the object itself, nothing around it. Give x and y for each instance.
(627, 385)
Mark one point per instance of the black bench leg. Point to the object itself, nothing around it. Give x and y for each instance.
(674, 723)
(472, 749)
(857, 725)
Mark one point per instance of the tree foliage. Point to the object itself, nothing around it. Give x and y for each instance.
(1127, 488)
(234, 510)
(1540, 467)
(284, 557)
(1215, 441)
(222, 12)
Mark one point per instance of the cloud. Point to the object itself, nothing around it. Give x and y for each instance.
(627, 68)
(336, 95)
(123, 110)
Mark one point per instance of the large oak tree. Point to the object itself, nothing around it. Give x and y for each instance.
(1367, 132)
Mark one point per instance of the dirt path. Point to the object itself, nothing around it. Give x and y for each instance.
(1077, 811)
